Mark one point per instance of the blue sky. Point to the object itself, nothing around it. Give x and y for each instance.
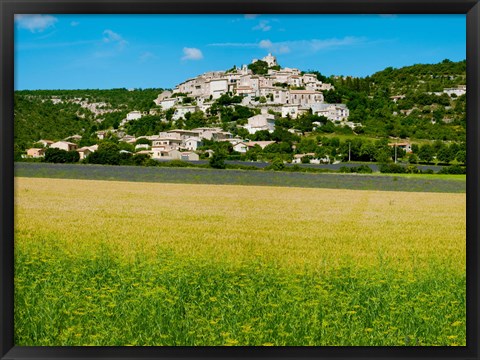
(145, 51)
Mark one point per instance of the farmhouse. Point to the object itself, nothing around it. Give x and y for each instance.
(45, 143)
(36, 152)
(240, 147)
(189, 156)
(64, 145)
(402, 145)
(262, 144)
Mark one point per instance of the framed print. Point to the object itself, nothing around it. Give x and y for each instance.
(229, 179)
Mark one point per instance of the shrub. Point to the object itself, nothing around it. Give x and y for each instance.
(454, 170)
(412, 169)
(392, 169)
(364, 169)
(276, 165)
(54, 155)
(140, 159)
(217, 161)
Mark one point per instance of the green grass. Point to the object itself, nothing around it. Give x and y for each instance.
(448, 177)
(173, 301)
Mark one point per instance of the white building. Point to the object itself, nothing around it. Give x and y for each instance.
(134, 115)
(304, 97)
(333, 112)
(142, 146)
(64, 145)
(181, 134)
(240, 147)
(189, 156)
(164, 95)
(459, 90)
(86, 150)
(165, 154)
(173, 154)
(168, 103)
(217, 87)
(192, 143)
(166, 143)
(260, 122)
(181, 111)
(290, 110)
(45, 143)
(269, 59)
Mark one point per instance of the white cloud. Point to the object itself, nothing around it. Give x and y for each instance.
(250, 16)
(112, 37)
(263, 26)
(35, 23)
(276, 48)
(147, 55)
(192, 54)
(317, 45)
(265, 44)
(74, 23)
(41, 45)
(312, 45)
(251, 45)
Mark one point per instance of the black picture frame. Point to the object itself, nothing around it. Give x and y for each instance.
(10, 7)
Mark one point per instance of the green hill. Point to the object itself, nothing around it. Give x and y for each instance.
(408, 102)
(56, 114)
(421, 110)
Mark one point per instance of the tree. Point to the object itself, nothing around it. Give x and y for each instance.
(306, 159)
(278, 148)
(169, 114)
(426, 153)
(254, 153)
(107, 153)
(383, 155)
(277, 164)
(242, 132)
(444, 155)
(412, 158)
(332, 97)
(262, 135)
(368, 151)
(194, 120)
(259, 67)
(305, 122)
(217, 161)
(461, 156)
(54, 155)
(307, 146)
(319, 76)
(140, 159)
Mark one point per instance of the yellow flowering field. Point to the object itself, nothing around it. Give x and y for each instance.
(129, 263)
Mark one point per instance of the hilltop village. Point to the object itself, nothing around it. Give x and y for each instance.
(283, 90)
(265, 88)
(255, 112)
